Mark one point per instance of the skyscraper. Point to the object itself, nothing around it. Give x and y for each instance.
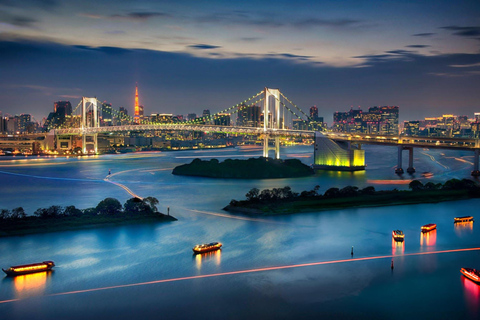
(107, 114)
(314, 113)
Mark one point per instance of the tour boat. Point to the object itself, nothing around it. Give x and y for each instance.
(463, 219)
(398, 235)
(427, 174)
(206, 247)
(29, 268)
(429, 227)
(471, 274)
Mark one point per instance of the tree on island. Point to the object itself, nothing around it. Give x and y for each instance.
(109, 206)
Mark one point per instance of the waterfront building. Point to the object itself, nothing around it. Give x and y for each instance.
(222, 119)
(62, 108)
(411, 128)
(107, 114)
(249, 116)
(314, 113)
(378, 120)
(299, 124)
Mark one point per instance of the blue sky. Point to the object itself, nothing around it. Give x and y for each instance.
(423, 56)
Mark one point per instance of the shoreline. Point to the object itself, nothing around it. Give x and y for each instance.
(318, 205)
(35, 225)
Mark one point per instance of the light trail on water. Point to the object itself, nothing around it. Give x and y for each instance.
(220, 274)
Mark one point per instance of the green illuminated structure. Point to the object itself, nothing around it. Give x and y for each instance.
(343, 156)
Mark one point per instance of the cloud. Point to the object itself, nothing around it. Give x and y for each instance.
(418, 46)
(472, 31)
(396, 77)
(114, 32)
(23, 22)
(426, 34)
(203, 46)
(315, 22)
(250, 39)
(472, 65)
(132, 16)
(42, 4)
(140, 16)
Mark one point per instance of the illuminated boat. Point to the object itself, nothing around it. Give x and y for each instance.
(427, 174)
(29, 268)
(429, 227)
(471, 274)
(463, 219)
(206, 247)
(398, 235)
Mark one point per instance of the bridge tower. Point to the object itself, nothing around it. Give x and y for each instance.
(89, 120)
(271, 120)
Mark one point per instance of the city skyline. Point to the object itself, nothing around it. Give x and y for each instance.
(188, 56)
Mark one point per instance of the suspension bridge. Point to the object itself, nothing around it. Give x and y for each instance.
(333, 150)
(277, 110)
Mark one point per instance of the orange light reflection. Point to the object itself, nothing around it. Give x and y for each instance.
(30, 284)
(428, 238)
(250, 271)
(216, 256)
(461, 227)
(398, 247)
(472, 294)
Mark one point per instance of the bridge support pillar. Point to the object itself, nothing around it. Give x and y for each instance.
(410, 168)
(476, 171)
(266, 147)
(399, 169)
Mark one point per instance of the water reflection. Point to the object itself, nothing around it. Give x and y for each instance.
(463, 227)
(201, 258)
(398, 247)
(428, 238)
(472, 294)
(29, 285)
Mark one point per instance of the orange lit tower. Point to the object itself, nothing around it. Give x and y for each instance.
(136, 115)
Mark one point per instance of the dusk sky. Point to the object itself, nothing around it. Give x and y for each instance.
(186, 56)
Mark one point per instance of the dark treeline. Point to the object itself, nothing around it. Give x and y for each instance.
(286, 193)
(106, 207)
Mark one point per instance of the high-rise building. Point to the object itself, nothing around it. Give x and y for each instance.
(411, 128)
(249, 116)
(222, 119)
(23, 122)
(378, 120)
(206, 113)
(107, 114)
(62, 108)
(191, 116)
(3, 124)
(314, 113)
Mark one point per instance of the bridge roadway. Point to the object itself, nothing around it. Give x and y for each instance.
(406, 141)
(186, 127)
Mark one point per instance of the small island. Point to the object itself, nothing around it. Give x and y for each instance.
(108, 212)
(284, 201)
(253, 168)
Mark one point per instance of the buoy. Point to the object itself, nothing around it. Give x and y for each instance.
(352, 250)
(392, 265)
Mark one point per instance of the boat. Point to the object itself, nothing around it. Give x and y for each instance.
(29, 268)
(471, 274)
(429, 227)
(398, 235)
(206, 247)
(463, 219)
(427, 174)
